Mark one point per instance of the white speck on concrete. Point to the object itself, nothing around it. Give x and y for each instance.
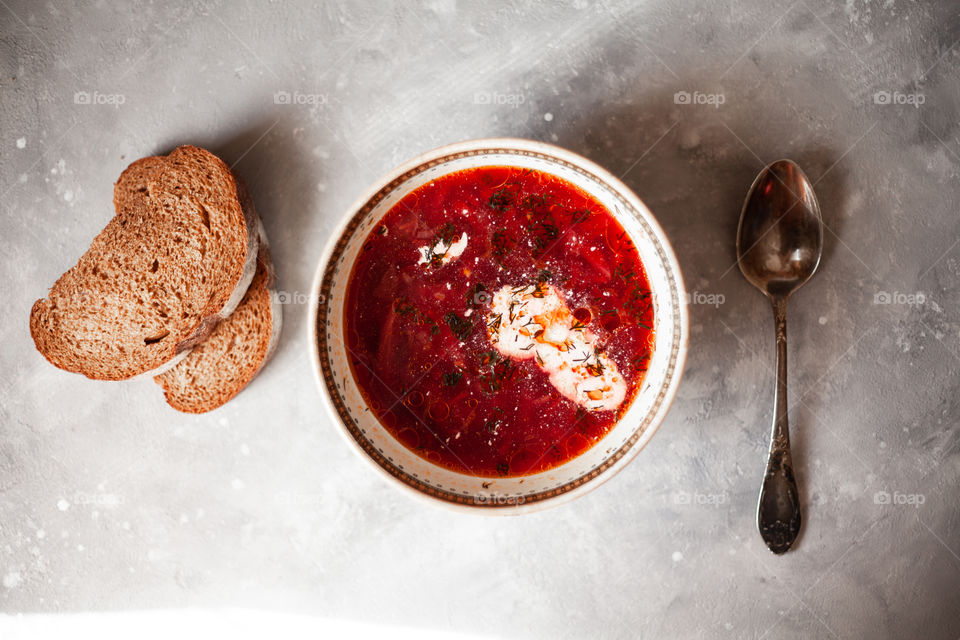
(62, 504)
(21, 143)
(823, 320)
(41, 534)
(548, 117)
(677, 556)
(12, 580)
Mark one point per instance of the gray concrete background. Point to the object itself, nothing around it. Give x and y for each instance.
(111, 501)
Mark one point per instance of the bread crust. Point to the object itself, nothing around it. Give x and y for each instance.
(276, 307)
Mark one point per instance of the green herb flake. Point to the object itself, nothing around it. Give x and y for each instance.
(492, 424)
(460, 327)
(404, 308)
(488, 357)
(446, 232)
(452, 378)
(502, 199)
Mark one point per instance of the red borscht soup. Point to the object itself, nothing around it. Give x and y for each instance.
(498, 321)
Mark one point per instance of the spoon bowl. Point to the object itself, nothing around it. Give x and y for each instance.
(779, 244)
(780, 237)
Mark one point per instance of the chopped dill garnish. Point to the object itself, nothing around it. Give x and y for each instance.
(452, 378)
(621, 272)
(404, 308)
(488, 357)
(492, 423)
(443, 235)
(586, 357)
(445, 232)
(641, 362)
(460, 327)
(595, 369)
(579, 215)
(502, 199)
(496, 374)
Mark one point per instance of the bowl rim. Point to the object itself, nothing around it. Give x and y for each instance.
(524, 145)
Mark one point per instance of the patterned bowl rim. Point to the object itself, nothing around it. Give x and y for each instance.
(323, 280)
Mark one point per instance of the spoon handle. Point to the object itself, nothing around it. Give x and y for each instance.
(778, 514)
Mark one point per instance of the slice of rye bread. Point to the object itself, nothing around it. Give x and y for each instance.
(222, 365)
(254, 242)
(176, 258)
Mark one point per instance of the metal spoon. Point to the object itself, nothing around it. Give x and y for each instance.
(779, 242)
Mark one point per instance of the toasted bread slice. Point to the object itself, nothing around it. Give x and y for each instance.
(222, 365)
(176, 258)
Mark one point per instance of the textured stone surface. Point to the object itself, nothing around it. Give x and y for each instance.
(110, 501)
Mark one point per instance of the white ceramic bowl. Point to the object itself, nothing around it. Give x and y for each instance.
(498, 495)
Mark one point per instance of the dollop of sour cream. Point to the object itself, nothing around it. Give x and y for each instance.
(445, 252)
(533, 321)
